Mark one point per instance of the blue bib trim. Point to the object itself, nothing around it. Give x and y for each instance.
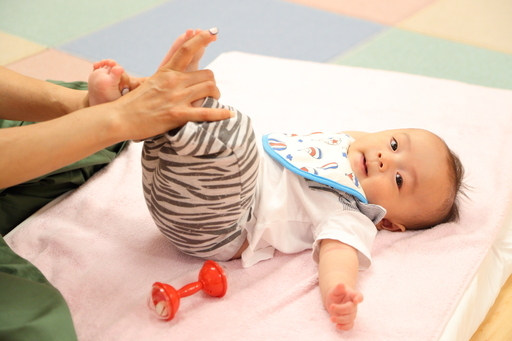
(318, 157)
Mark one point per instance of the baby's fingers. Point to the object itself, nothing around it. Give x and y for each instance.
(343, 315)
(338, 293)
(344, 309)
(357, 297)
(347, 326)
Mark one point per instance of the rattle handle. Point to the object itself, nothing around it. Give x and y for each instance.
(190, 289)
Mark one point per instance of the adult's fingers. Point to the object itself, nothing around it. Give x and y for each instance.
(207, 114)
(202, 90)
(182, 58)
(176, 45)
(188, 79)
(196, 114)
(124, 83)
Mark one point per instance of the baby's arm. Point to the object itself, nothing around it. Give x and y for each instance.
(337, 272)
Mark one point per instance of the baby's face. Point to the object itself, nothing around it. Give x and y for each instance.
(405, 171)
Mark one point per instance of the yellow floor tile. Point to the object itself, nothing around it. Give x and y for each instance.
(484, 23)
(13, 48)
(387, 12)
(55, 65)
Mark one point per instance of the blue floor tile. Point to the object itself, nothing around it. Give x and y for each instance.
(267, 27)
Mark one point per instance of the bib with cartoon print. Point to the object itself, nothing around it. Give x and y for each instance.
(320, 157)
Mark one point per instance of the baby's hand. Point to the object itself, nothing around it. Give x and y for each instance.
(342, 306)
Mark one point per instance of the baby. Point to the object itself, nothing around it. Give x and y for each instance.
(217, 192)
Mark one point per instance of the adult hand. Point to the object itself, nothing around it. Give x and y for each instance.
(161, 103)
(164, 101)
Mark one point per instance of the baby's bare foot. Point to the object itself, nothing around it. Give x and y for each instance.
(104, 82)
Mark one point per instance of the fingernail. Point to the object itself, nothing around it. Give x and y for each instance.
(125, 91)
(233, 113)
(214, 30)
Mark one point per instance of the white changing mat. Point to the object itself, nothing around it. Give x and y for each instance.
(100, 245)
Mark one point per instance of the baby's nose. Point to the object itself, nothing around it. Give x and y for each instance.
(384, 161)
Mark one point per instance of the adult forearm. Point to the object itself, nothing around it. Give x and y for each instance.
(163, 102)
(34, 150)
(27, 99)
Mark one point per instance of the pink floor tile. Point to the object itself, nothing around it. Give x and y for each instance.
(52, 64)
(387, 12)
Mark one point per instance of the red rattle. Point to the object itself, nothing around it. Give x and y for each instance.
(165, 300)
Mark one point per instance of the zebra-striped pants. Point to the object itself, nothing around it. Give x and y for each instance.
(199, 184)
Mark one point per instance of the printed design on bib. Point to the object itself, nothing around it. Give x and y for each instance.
(321, 157)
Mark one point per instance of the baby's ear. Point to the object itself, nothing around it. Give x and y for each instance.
(387, 225)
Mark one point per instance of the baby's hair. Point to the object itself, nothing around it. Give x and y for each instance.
(458, 189)
(452, 201)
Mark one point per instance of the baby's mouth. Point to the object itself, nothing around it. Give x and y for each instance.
(365, 166)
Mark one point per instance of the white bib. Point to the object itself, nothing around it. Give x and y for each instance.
(321, 157)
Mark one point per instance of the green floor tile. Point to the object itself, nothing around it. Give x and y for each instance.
(405, 51)
(53, 22)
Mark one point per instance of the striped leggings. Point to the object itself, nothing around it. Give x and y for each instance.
(199, 184)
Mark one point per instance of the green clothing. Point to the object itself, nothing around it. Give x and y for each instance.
(20, 201)
(30, 307)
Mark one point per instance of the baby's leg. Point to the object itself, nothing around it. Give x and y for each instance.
(199, 184)
(104, 82)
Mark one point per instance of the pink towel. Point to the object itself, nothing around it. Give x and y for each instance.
(100, 247)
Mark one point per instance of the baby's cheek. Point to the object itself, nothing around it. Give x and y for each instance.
(370, 190)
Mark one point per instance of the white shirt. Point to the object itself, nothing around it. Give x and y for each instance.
(290, 217)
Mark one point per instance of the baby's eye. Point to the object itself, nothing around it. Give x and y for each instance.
(394, 144)
(399, 180)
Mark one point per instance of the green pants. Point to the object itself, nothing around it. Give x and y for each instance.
(30, 307)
